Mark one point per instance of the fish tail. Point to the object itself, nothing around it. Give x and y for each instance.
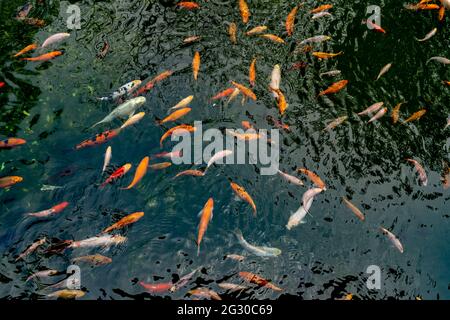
(198, 250)
(239, 234)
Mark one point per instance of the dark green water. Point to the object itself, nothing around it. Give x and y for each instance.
(52, 105)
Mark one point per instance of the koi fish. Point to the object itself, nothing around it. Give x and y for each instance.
(31, 248)
(55, 38)
(314, 178)
(275, 79)
(384, 70)
(379, 114)
(11, 143)
(290, 21)
(320, 15)
(308, 195)
(123, 90)
(96, 260)
(160, 166)
(183, 281)
(104, 51)
(196, 64)
(245, 12)
(160, 77)
(259, 251)
(247, 125)
(178, 130)
(416, 116)
(278, 123)
(206, 216)
(439, 59)
(188, 5)
(126, 109)
(117, 174)
(253, 278)
(98, 139)
(191, 39)
(26, 49)
(395, 114)
(256, 30)
(373, 108)
(273, 38)
(232, 287)
(252, 73)
(6, 182)
(241, 193)
(246, 91)
(156, 287)
(441, 13)
(291, 179)
(45, 57)
(24, 10)
(421, 171)
(99, 241)
(322, 8)
(354, 209)
(205, 293)
(132, 218)
(298, 65)
(315, 39)
(49, 212)
(374, 26)
(42, 274)
(140, 173)
(428, 36)
(223, 94)
(325, 55)
(333, 124)
(218, 156)
(233, 96)
(282, 104)
(421, 6)
(32, 21)
(393, 239)
(183, 103)
(297, 217)
(335, 87)
(175, 115)
(169, 155)
(232, 29)
(67, 294)
(235, 257)
(252, 135)
(194, 173)
(133, 120)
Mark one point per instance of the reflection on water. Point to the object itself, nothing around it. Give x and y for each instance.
(53, 104)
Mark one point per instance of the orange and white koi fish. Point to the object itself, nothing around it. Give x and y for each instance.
(245, 12)
(314, 178)
(206, 216)
(253, 278)
(140, 173)
(108, 156)
(235, 257)
(31, 248)
(160, 77)
(205, 293)
(196, 64)
(175, 115)
(333, 124)
(188, 5)
(117, 174)
(290, 21)
(256, 30)
(42, 274)
(252, 73)
(393, 239)
(95, 260)
(335, 87)
(373, 108)
(44, 57)
(223, 94)
(233, 96)
(191, 39)
(67, 294)
(100, 241)
(395, 114)
(421, 171)
(133, 120)
(194, 173)
(326, 55)
(241, 193)
(160, 166)
(26, 49)
(156, 287)
(49, 212)
(416, 116)
(98, 139)
(378, 115)
(178, 130)
(232, 30)
(322, 8)
(273, 38)
(245, 91)
(282, 104)
(6, 182)
(231, 287)
(132, 218)
(183, 103)
(11, 143)
(354, 209)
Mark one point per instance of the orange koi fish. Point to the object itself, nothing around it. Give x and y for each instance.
(256, 30)
(354, 209)
(232, 29)
(7, 182)
(156, 287)
(246, 91)
(282, 104)
(290, 21)
(416, 116)
(247, 125)
(49, 212)
(117, 174)
(196, 64)
(335, 87)
(245, 12)
(98, 139)
(26, 49)
(223, 94)
(241, 193)
(253, 278)
(188, 5)
(325, 55)
(206, 216)
(45, 57)
(182, 128)
(441, 13)
(132, 218)
(205, 293)
(322, 8)
(314, 178)
(160, 166)
(194, 173)
(175, 116)
(252, 73)
(11, 143)
(140, 173)
(151, 83)
(396, 113)
(273, 38)
(244, 136)
(191, 39)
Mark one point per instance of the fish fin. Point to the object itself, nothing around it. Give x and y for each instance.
(200, 213)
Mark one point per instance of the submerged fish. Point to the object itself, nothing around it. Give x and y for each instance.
(11, 143)
(183, 281)
(331, 73)
(55, 38)
(123, 90)
(321, 14)
(95, 260)
(26, 49)
(259, 251)
(206, 215)
(272, 37)
(140, 173)
(217, 157)
(232, 287)
(315, 39)
(49, 212)
(421, 171)
(117, 174)
(354, 209)
(373, 108)
(160, 166)
(108, 156)
(156, 287)
(67, 294)
(133, 120)
(338, 121)
(395, 114)
(194, 173)
(31, 248)
(314, 178)
(378, 115)
(42, 274)
(45, 57)
(205, 293)
(174, 116)
(232, 29)
(132, 218)
(275, 79)
(243, 194)
(223, 94)
(416, 116)
(177, 131)
(252, 73)
(393, 239)
(291, 179)
(439, 59)
(245, 12)
(196, 64)
(126, 109)
(256, 30)
(322, 8)
(246, 91)
(235, 257)
(100, 241)
(335, 87)
(428, 36)
(290, 21)
(98, 139)
(183, 103)
(253, 278)
(326, 55)
(384, 70)
(6, 182)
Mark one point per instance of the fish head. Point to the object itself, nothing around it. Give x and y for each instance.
(17, 179)
(126, 168)
(136, 83)
(139, 100)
